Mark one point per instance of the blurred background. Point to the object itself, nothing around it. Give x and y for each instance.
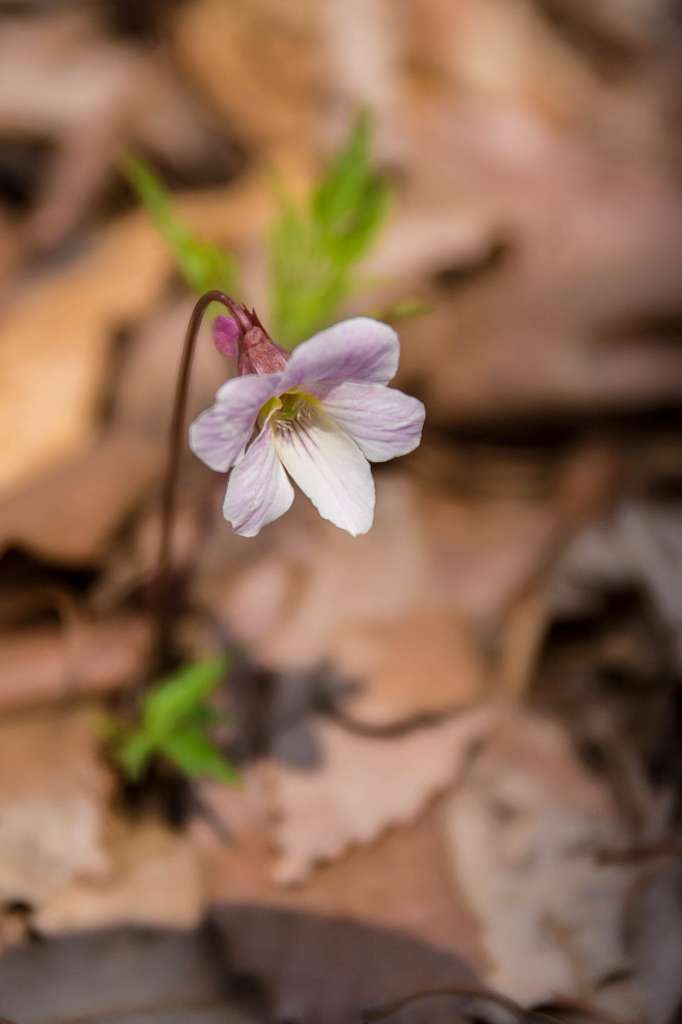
(457, 737)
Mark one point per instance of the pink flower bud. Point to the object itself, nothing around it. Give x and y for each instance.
(226, 334)
(243, 337)
(259, 354)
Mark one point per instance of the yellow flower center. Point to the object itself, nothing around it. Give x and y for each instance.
(289, 407)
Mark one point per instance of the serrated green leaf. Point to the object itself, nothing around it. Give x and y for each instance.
(203, 264)
(181, 695)
(196, 756)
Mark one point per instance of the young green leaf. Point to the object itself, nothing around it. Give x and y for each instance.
(179, 696)
(174, 717)
(195, 755)
(134, 753)
(203, 264)
(313, 250)
(340, 191)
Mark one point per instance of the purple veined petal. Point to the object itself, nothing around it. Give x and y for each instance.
(330, 469)
(258, 490)
(360, 349)
(220, 434)
(383, 422)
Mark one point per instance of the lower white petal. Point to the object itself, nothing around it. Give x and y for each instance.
(383, 422)
(258, 490)
(330, 469)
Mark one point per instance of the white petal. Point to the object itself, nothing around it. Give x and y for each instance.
(360, 349)
(219, 435)
(258, 490)
(384, 423)
(330, 468)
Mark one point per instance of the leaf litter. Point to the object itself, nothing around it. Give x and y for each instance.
(446, 728)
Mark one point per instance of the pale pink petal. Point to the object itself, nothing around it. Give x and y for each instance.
(220, 434)
(258, 490)
(384, 423)
(226, 334)
(354, 350)
(330, 468)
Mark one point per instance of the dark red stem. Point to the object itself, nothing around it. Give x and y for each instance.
(163, 580)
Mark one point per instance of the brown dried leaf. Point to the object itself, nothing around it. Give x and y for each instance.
(425, 659)
(383, 912)
(402, 881)
(530, 819)
(56, 338)
(128, 974)
(43, 65)
(456, 613)
(459, 558)
(70, 514)
(153, 881)
(281, 85)
(53, 792)
(42, 664)
(349, 794)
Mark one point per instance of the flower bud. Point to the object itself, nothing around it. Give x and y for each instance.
(226, 336)
(259, 354)
(243, 337)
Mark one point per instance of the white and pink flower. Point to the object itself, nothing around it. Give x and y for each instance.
(319, 417)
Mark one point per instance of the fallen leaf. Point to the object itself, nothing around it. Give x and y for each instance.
(388, 659)
(41, 665)
(71, 513)
(347, 794)
(638, 545)
(126, 973)
(402, 881)
(529, 819)
(51, 820)
(43, 63)
(56, 340)
(387, 916)
(153, 881)
(208, 36)
(459, 613)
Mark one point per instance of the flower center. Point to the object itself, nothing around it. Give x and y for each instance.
(288, 409)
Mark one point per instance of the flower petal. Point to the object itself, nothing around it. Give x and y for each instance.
(218, 435)
(360, 349)
(384, 423)
(258, 490)
(330, 468)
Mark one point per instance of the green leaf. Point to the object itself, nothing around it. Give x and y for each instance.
(351, 245)
(313, 250)
(203, 264)
(196, 756)
(134, 753)
(340, 191)
(181, 695)
(176, 706)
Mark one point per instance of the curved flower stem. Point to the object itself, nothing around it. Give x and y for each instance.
(162, 585)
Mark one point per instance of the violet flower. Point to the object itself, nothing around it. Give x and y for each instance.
(320, 417)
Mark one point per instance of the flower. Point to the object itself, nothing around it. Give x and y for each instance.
(319, 417)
